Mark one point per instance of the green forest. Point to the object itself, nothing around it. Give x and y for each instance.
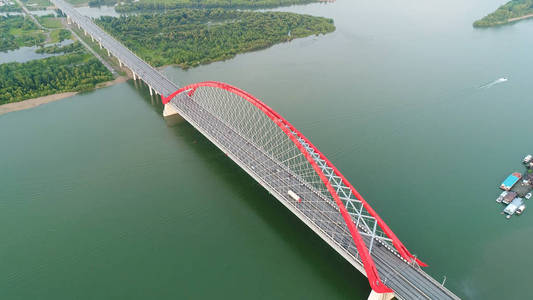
(58, 74)
(143, 5)
(189, 37)
(506, 13)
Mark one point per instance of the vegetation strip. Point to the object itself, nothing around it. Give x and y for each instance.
(144, 5)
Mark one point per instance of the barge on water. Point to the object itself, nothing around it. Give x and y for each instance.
(510, 181)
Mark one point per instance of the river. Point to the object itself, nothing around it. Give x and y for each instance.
(99, 199)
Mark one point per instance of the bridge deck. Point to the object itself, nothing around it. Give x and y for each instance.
(318, 213)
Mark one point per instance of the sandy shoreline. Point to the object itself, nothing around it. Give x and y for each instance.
(519, 18)
(30, 103)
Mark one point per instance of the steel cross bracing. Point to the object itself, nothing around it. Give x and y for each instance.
(355, 207)
(280, 158)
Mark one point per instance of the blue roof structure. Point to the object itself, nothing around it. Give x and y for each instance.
(510, 181)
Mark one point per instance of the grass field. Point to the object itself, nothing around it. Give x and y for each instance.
(50, 22)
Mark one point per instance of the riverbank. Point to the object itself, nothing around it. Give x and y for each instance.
(34, 102)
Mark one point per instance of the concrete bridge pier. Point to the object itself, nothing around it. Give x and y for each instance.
(171, 115)
(376, 296)
(151, 91)
(69, 21)
(134, 77)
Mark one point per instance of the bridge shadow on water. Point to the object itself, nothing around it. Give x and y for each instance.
(333, 269)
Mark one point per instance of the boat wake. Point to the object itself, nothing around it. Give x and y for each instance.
(495, 82)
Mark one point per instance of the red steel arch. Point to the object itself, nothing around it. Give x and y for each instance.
(368, 263)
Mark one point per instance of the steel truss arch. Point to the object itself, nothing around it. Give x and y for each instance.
(264, 127)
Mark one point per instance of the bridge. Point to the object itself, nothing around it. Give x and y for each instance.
(280, 158)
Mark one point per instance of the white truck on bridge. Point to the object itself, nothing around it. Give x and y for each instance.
(294, 196)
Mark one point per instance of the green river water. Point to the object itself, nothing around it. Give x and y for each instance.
(99, 199)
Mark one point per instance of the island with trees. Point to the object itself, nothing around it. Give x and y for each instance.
(510, 12)
(190, 37)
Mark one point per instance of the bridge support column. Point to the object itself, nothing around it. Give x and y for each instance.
(376, 296)
(100, 45)
(120, 63)
(134, 77)
(151, 92)
(85, 32)
(69, 21)
(108, 53)
(92, 38)
(171, 115)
